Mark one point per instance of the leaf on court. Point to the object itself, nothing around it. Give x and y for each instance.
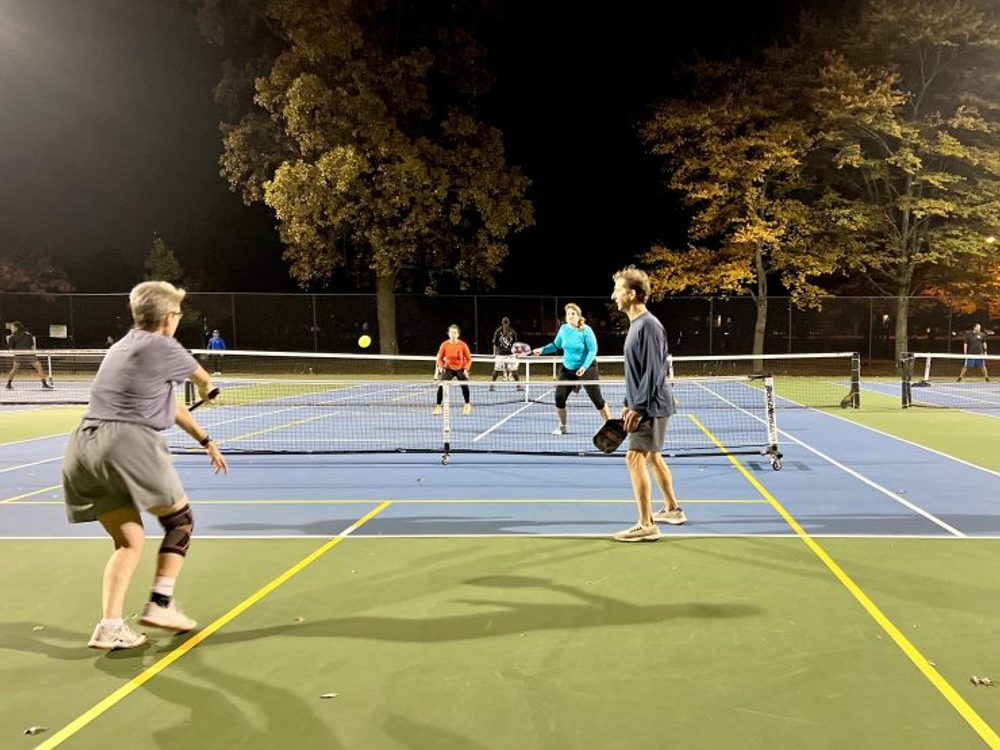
(326, 696)
(932, 663)
(36, 730)
(984, 681)
(299, 619)
(38, 627)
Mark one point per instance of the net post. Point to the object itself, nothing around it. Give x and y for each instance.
(670, 367)
(772, 422)
(927, 368)
(445, 386)
(189, 397)
(856, 380)
(906, 382)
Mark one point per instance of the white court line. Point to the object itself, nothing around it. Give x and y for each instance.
(910, 442)
(33, 463)
(871, 483)
(509, 417)
(31, 440)
(518, 535)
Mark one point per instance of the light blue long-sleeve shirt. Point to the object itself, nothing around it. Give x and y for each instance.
(579, 346)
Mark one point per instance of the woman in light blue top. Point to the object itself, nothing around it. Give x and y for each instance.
(579, 348)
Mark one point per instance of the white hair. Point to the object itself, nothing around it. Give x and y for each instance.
(151, 301)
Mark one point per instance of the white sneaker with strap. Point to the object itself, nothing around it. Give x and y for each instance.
(116, 638)
(168, 617)
(674, 517)
(639, 533)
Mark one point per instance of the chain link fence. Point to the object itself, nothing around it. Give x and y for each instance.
(334, 322)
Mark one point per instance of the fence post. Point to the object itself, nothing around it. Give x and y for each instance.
(475, 322)
(949, 328)
(315, 327)
(72, 324)
(871, 323)
(789, 325)
(232, 314)
(711, 323)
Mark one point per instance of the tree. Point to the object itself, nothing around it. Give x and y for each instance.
(27, 269)
(32, 272)
(910, 106)
(161, 264)
(736, 151)
(361, 136)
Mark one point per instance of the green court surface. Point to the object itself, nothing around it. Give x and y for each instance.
(725, 634)
(521, 643)
(26, 424)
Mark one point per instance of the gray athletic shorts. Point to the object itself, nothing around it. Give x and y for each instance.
(112, 465)
(649, 436)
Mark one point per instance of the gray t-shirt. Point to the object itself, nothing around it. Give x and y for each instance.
(646, 388)
(135, 382)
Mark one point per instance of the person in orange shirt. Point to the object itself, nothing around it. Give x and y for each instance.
(454, 360)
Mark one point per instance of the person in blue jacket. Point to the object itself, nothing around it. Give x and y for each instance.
(216, 344)
(579, 347)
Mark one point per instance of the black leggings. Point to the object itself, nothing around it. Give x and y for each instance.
(450, 374)
(593, 389)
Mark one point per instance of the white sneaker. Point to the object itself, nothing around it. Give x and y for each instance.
(560, 430)
(674, 517)
(115, 638)
(437, 411)
(216, 374)
(169, 618)
(639, 533)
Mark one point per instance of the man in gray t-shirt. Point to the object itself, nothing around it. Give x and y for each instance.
(649, 402)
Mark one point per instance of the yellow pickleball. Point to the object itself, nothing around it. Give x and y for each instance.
(365, 341)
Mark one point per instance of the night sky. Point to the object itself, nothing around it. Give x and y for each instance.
(109, 134)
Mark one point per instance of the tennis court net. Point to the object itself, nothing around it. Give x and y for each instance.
(313, 415)
(950, 381)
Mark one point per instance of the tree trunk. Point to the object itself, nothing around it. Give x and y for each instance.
(902, 317)
(385, 301)
(903, 291)
(760, 328)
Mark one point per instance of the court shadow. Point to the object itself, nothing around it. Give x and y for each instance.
(438, 525)
(54, 642)
(500, 617)
(421, 736)
(225, 710)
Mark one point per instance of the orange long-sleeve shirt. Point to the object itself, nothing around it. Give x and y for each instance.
(454, 356)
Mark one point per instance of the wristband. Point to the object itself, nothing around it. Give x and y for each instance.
(205, 441)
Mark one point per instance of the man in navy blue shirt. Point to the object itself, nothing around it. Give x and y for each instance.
(649, 402)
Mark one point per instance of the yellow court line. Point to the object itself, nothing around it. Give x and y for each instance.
(13, 500)
(547, 501)
(136, 682)
(967, 712)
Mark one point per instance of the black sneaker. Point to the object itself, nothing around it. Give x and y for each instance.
(10, 386)
(47, 386)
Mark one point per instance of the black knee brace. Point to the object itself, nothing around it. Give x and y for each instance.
(177, 528)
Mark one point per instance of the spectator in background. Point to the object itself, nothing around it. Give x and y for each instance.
(505, 363)
(974, 345)
(21, 341)
(216, 344)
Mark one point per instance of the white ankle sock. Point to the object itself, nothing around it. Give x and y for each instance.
(164, 585)
(112, 623)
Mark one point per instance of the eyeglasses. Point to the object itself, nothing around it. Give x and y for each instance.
(176, 313)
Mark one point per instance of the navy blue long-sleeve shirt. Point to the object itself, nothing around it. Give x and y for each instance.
(646, 388)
